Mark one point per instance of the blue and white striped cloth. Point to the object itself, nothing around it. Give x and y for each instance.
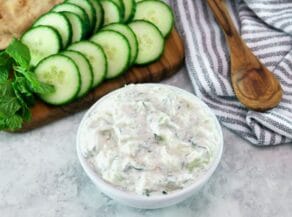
(266, 26)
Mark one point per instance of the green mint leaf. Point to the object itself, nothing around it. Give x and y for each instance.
(13, 110)
(24, 100)
(3, 125)
(14, 122)
(4, 58)
(21, 84)
(44, 88)
(35, 85)
(19, 52)
(16, 86)
(25, 113)
(23, 92)
(4, 73)
(9, 105)
(5, 66)
(6, 89)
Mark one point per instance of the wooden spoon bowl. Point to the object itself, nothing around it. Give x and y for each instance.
(254, 85)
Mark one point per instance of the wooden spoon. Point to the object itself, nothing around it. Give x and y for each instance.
(254, 85)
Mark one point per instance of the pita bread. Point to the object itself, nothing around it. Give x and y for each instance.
(16, 16)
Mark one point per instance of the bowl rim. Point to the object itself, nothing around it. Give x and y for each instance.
(127, 195)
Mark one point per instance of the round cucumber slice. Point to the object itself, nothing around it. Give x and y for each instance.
(78, 29)
(89, 10)
(156, 12)
(85, 70)
(37, 38)
(60, 23)
(130, 8)
(61, 72)
(99, 14)
(121, 6)
(129, 34)
(112, 12)
(74, 9)
(150, 41)
(96, 57)
(117, 51)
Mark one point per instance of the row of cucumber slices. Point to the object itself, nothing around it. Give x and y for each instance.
(80, 43)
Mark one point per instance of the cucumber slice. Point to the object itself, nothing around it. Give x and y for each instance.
(121, 6)
(89, 10)
(150, 41)
(129, 34)
(74, 9)
(78, 30)
(130, 8)
(42, 42)
(112, 12)
(85, 70)
(60, 23)
(156, 12)
(99, 14)
(96, 58)
(61, 72)
(117, 51)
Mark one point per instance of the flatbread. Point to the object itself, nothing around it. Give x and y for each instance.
(16, 16)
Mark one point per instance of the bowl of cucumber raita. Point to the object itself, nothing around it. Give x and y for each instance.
(149, 145)
(78, 44)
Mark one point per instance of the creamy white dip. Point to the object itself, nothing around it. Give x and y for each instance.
(149, 139)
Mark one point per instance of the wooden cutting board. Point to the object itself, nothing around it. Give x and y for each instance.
(167, 65)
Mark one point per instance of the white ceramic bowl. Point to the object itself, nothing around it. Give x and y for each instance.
(155, 201)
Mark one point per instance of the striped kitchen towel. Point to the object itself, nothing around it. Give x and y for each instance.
(266, 26)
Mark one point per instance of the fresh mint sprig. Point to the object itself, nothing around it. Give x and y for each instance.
(18, 86)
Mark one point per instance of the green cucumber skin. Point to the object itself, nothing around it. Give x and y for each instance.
(70, 31)
(132, 12)
(65, 13)
(169, 9)
(69, 27)
(77, 89)
(103, 54)
(92, 11)
(162, 51)
(84, 17)
(98, 16)
(106, 65)
(120, 15)
(109, 27)
(128, 58)
(91, 73)
(122, 8)
(55, 31)
(59, 39)
(102, 17)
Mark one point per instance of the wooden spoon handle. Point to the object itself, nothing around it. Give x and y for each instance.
(223, 18)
